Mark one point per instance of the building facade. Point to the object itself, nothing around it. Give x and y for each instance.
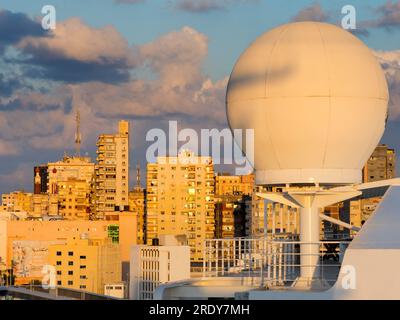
(225, 207)
(234, 185)
(280, 218)
(137, 205)
(112, 171)
(381, 165)
(80, 168)
(152, 266)
(17, 201)
(74, 199)
(180, 200)
(86, 264)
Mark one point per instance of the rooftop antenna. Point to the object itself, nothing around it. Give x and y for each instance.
(78, 138)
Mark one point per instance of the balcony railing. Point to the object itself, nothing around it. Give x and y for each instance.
(268, 262)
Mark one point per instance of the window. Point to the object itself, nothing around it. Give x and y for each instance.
(70, 273)
(70, 253)
(59, 272)
(83, 267)
(59, 253)
(82, 257)
(58, 263)
(82, 287)
(70, 283)
(70, 263)
(59, 283)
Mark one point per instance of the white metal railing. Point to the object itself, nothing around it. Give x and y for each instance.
(269, 262)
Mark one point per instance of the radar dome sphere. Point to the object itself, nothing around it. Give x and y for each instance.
(316, 98)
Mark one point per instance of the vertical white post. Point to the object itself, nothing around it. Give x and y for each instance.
(288, 211)
(281, 218)
(309, 237)
(265, 217)
(273, 218)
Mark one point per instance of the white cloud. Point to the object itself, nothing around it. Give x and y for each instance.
(390, 61)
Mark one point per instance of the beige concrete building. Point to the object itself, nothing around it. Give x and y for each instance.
(280, 218)
(180, 199)
(152, 266)
(17, 201)
(137, 207)
(381, 165)
(362, 209)
(86, 264)
(80, 168)
(74, 199)
(121, 232)
(225, 206)
(44, 204)
(234, 185)
(112, 171)
(11, 231)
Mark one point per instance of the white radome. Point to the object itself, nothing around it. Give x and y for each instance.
(317, 99)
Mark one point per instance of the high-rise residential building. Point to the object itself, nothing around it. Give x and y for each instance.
(180, 199)
(112, 172)
(234, 185)
(279, 219)
(239, 215)
(225, 206)
(86, 264)
(74, 199)
(381, 165)
(80, 168)
(17, 201)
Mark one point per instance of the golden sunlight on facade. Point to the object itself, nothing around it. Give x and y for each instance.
(180, 200)
(86, 264)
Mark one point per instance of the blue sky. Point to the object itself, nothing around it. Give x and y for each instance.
(229, 30)
(44, 86)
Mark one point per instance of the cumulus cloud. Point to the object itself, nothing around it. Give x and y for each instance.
(9, 84)
(16, 26)
(8, 148)
(178, 90)
(76, 52)
(313, 12)
(19, 177)
(389, 16)
(390, 61)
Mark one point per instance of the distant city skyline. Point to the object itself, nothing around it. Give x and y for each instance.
(145, 61)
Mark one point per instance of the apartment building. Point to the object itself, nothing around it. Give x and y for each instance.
(86, 264)
(180, 199)
(112, 172)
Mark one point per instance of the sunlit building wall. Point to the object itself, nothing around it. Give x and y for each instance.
(86, 264)
(381, 165)
(112, 171)
(74, 199)
(180, 199)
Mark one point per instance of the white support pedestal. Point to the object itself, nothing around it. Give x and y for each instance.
(309, 201)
